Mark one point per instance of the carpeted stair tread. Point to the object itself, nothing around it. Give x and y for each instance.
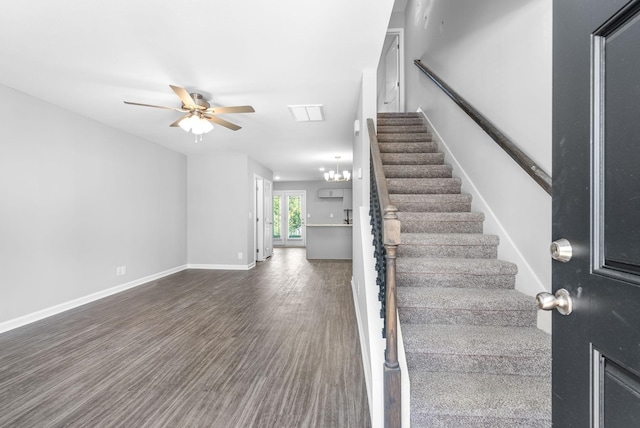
(455, 266)
(429, 222)
(522, 351)
(398, 129)
(409, 147)
(460, 273)
(400, 121)
(436, 158)
(449, 239)
(410, 114)
(411, 137)
(424, 185)
(422, 305)
(417, 171)
(478, 400)
(455, 202)
(449, 245)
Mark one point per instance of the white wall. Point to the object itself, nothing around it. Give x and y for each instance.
(221, 210)
(365, 289)
(78, 199)
(497, 55)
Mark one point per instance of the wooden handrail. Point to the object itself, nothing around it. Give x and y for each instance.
(391, 240)
(530, 167)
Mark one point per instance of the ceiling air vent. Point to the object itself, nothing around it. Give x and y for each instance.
(307, 113)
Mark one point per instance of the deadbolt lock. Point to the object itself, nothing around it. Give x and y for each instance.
(561, 250)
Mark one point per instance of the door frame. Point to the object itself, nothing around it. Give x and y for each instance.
(401, 93)
(258, 224)
(268, 218)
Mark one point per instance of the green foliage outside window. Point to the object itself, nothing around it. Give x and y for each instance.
(277, 218)
(295, 220)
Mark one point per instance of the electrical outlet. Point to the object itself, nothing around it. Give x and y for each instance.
(331, 215)
(240, 256)
(121, 270)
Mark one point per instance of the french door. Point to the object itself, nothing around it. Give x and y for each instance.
(289, 213)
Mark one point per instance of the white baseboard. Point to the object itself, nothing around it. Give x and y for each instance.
(221, 267)
(364, 349)
(44, 313)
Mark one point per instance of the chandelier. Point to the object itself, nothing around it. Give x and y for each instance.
(197, 124)
(335, 175)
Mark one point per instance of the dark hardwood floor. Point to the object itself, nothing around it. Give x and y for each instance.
(275, 346)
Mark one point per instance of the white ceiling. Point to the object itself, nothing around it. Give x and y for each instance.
(89, 56)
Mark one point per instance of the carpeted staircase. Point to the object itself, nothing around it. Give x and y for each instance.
(475, 356)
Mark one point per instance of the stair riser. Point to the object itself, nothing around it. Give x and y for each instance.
(450, 251)
(455, 280)
(534, 365)
(441, 227)
(448, 316)
(457, 421)
(417, 171)
(413, 187)
(416, 137)
(403, 114)
(434, 207)
(412, 159)
(407, 121)
(408, 147)
(402, 129)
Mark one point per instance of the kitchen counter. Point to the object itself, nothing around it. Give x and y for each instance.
(329, 241)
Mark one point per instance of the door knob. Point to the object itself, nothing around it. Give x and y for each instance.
(561, 250)
(561, 301)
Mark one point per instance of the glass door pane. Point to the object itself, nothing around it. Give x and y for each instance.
(295, 221)
(277, 217)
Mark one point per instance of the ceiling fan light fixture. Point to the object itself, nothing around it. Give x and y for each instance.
(196, 124)
(185, 123)
(199, 125)
(199, 113)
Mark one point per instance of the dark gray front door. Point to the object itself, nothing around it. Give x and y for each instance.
(596, 206)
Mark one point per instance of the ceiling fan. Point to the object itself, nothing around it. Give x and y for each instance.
(199, 112)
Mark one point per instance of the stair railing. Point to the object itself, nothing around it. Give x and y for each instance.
(525, 162)
(386, 231)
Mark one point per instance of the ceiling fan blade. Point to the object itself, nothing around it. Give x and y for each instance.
(177, 122)
(222, 122)
(150, 105)
(185, 97)
(236, 109)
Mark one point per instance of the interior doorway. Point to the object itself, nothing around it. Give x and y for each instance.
(264, 218)
(391, 73)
